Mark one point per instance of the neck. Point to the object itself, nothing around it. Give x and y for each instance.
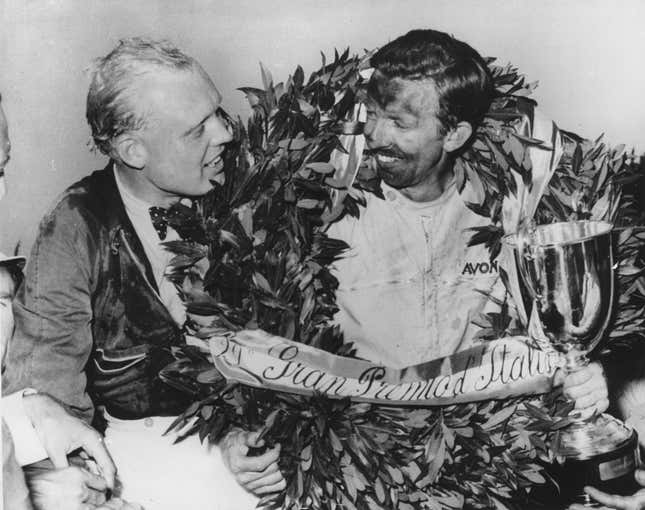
(432, 187)
(139, 186)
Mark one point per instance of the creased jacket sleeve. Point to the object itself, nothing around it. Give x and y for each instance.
(53, 338)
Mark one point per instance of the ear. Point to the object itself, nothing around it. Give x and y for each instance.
(130, 150)
(456, 138)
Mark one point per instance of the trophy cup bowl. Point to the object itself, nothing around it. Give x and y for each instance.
(568, 270)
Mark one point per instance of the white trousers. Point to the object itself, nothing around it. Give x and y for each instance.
(160, 475)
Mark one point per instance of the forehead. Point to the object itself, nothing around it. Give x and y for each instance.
(397, 95)
(177, 95)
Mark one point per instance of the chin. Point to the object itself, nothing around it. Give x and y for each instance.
(391, 180)
(201, 191)
(195, 191)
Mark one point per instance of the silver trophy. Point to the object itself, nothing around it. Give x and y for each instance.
(568, 270)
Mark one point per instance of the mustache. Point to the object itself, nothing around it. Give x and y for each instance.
(389, 151)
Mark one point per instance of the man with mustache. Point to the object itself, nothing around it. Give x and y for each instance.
(96, 318)
(411, 288)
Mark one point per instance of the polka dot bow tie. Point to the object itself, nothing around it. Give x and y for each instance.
(159, 217)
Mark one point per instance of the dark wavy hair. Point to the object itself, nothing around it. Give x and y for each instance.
(460, 74)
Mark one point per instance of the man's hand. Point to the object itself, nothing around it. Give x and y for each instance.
(587, 387)
(70, 488)
(61, 433)
(259, 475)
(633, 502)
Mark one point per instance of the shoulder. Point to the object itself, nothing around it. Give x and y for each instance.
(77, 210)
(70, 209)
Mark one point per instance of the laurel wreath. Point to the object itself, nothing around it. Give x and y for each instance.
(255, 255)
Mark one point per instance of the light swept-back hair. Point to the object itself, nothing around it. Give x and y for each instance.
(110, 110)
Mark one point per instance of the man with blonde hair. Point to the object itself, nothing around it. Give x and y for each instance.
(97, 317)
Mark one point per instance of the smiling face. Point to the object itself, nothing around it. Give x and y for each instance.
(404, 135)
(184, 136)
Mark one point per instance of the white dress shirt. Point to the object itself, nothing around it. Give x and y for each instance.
(158, 256)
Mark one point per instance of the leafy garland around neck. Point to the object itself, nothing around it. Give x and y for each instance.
(255, 255)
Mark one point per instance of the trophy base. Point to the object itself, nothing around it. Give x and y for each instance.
(602, 454)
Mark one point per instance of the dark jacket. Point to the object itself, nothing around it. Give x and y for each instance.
(90, 327)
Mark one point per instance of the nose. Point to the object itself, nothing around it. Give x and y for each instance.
(220, 132)
(376, 132)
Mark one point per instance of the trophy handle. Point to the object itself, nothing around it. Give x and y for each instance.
(522, 252)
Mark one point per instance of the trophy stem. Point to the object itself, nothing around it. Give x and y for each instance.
(576, 360)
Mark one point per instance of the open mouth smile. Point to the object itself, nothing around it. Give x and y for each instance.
(384, 156)
(384, 159)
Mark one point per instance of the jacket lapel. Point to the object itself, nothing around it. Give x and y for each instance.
(119, 224)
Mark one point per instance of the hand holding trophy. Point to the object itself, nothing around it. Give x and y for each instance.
(568, 270)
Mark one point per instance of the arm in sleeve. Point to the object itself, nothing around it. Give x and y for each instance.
(53, 338)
